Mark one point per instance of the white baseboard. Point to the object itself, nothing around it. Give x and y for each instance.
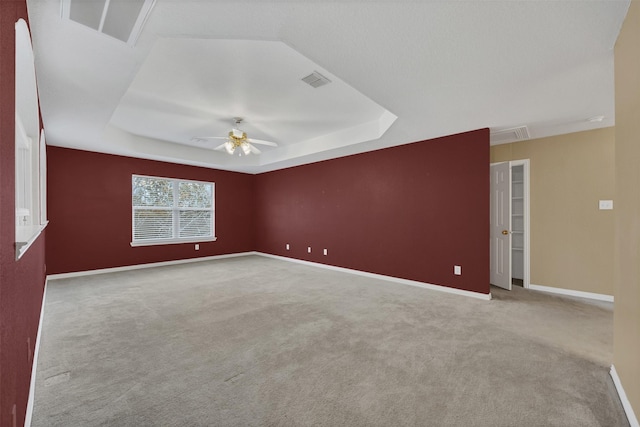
(571, 293)
(631, 416)
(315, 264)
(34, 365)
(149, 265)
(383, 277)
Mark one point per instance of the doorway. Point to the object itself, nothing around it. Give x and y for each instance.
(510, 259)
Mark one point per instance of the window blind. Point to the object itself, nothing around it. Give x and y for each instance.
(168, 210)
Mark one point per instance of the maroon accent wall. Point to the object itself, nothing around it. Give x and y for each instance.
(89, 209)
(22, 281)
(412, 211)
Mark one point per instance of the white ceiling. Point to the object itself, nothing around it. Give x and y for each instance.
(400, 71)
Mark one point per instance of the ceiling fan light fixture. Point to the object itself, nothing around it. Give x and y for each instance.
(237, 139)
(229, 147)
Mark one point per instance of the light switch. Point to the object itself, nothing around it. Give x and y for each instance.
(457, 270)
(605, 205)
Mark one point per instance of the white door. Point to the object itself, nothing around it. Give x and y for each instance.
(501, 225)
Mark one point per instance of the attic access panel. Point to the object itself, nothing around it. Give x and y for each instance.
(120, 19)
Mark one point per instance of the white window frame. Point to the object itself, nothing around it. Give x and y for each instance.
(175, 209)
(43, 180)
(30, 149)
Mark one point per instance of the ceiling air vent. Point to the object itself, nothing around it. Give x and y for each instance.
(121, 19)
(503, 136)
(316, 79)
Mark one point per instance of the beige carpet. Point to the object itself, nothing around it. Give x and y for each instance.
(254, 341)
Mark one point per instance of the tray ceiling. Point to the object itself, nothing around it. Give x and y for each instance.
(399, 72)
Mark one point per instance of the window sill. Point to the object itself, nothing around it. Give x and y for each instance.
(172, 241)
(26, 237)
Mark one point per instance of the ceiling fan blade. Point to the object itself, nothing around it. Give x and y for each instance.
(221, 146)
(253, 149)
(262, 142)
(202, 138)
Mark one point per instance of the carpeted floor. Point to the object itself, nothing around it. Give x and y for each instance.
(255, 341)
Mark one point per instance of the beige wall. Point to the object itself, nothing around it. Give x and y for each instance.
(572, 241)
(626, 337)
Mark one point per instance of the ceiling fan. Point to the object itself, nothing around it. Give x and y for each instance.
(237, 139)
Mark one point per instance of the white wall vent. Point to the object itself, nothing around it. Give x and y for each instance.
(504, 136)
(316, 79)
(121, 19)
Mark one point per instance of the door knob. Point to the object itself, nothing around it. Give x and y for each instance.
(505, 232)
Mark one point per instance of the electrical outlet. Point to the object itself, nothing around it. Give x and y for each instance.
(605, 205)
(309, 249)
(287, 246)
(326, 252)
(197, 247)
(457, 270)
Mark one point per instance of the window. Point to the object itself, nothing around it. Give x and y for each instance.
(168, 210)
(30, 150)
